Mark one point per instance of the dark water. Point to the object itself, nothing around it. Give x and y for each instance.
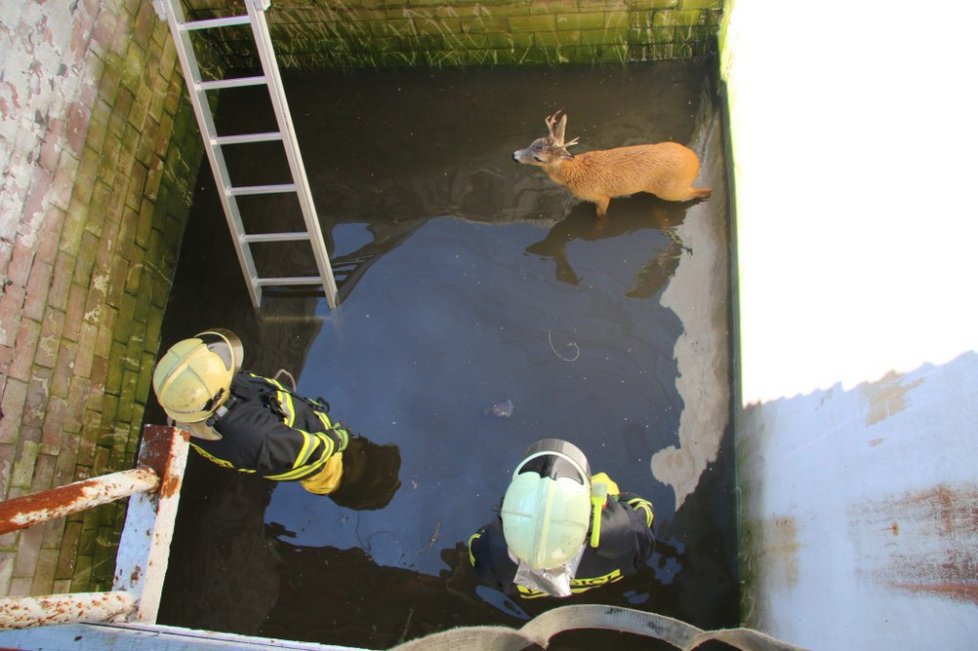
(466, 280)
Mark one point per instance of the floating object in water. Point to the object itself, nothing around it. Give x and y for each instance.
(502, 409)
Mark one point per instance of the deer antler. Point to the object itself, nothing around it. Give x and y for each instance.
(556, 129)
(551, 122)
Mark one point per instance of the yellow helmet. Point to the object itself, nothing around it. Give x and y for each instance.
(547, 508)
(193, 378)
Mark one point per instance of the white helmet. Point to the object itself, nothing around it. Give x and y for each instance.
(193, 378)
(547, 507)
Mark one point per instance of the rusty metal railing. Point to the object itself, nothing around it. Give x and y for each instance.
(153, 489)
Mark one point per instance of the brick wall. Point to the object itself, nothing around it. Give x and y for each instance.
(384, 33)
(98, 149)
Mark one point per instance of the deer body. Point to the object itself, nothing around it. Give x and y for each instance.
(666, 169)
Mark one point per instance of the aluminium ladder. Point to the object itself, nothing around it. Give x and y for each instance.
(172, 12)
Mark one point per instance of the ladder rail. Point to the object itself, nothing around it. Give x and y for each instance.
(172, 12)
(256, 10)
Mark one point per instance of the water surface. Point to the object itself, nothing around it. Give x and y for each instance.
(466, 281)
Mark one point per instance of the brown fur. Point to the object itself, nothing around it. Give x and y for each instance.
(666, 169)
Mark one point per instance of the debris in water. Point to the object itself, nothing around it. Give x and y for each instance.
(502, 409)
(571, 345)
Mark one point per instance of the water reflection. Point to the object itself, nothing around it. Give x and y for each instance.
(625, 216)
(370, 475)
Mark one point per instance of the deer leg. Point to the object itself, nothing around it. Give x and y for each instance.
(686, 194)
(602, 206)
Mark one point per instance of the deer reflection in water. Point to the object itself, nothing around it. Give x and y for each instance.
(624, 216)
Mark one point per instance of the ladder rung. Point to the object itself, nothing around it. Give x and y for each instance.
(212, 23)
(247, 137)
(262, 189)
(236, 82)
(275, 237)
(294, 280)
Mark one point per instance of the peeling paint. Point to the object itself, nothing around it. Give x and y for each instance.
(22, 612)
(32, 509)
(887, 397)
(155, 450)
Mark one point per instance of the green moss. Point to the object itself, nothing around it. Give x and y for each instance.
(638, 5)
(700, 4)
(540, 23)
(677, 18)
(593, 20)
(484, 24)
(604, 37)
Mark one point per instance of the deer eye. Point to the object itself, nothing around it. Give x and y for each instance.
(537, 158)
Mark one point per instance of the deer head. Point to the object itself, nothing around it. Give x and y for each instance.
(550, 149)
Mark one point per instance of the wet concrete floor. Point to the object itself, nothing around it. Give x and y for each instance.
(466, 281)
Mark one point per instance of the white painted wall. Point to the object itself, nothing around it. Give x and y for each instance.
(854, 161)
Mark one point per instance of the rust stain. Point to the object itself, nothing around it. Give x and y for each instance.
(22, 512)
(171, 486)
(775, 540)
(956, 591)
(155, 447)
(887, 397)
(930, 544)
(136, 573)
(155, 452)
(28, 510)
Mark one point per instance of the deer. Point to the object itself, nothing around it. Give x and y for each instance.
(665, 169)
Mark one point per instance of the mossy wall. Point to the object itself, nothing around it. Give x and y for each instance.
(390, 33)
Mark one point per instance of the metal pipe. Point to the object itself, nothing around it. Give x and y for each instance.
(22, 512)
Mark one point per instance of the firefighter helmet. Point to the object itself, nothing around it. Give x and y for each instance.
(193, 378)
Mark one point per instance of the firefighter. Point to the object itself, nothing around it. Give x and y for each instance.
(247, 422)
(561, 531)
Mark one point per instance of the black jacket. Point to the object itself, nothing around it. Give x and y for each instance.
(267, 429)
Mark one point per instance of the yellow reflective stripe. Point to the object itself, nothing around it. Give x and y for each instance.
(300, 467)
(308, 441)
(473, 538)
(221, 462)
(529, 593)
(580, 585)
(577, 586)
(639, 503)
(285, 400)
(299, 473)
(272, 381)
(324, 418)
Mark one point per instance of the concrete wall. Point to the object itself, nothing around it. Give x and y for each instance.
(99, 153)
(381, 33)
(857, 346)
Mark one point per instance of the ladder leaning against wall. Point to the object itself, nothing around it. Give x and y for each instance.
(172, 12)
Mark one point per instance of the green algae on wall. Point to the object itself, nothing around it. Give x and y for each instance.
(104, 259)
(317, 34)
(132, 226)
